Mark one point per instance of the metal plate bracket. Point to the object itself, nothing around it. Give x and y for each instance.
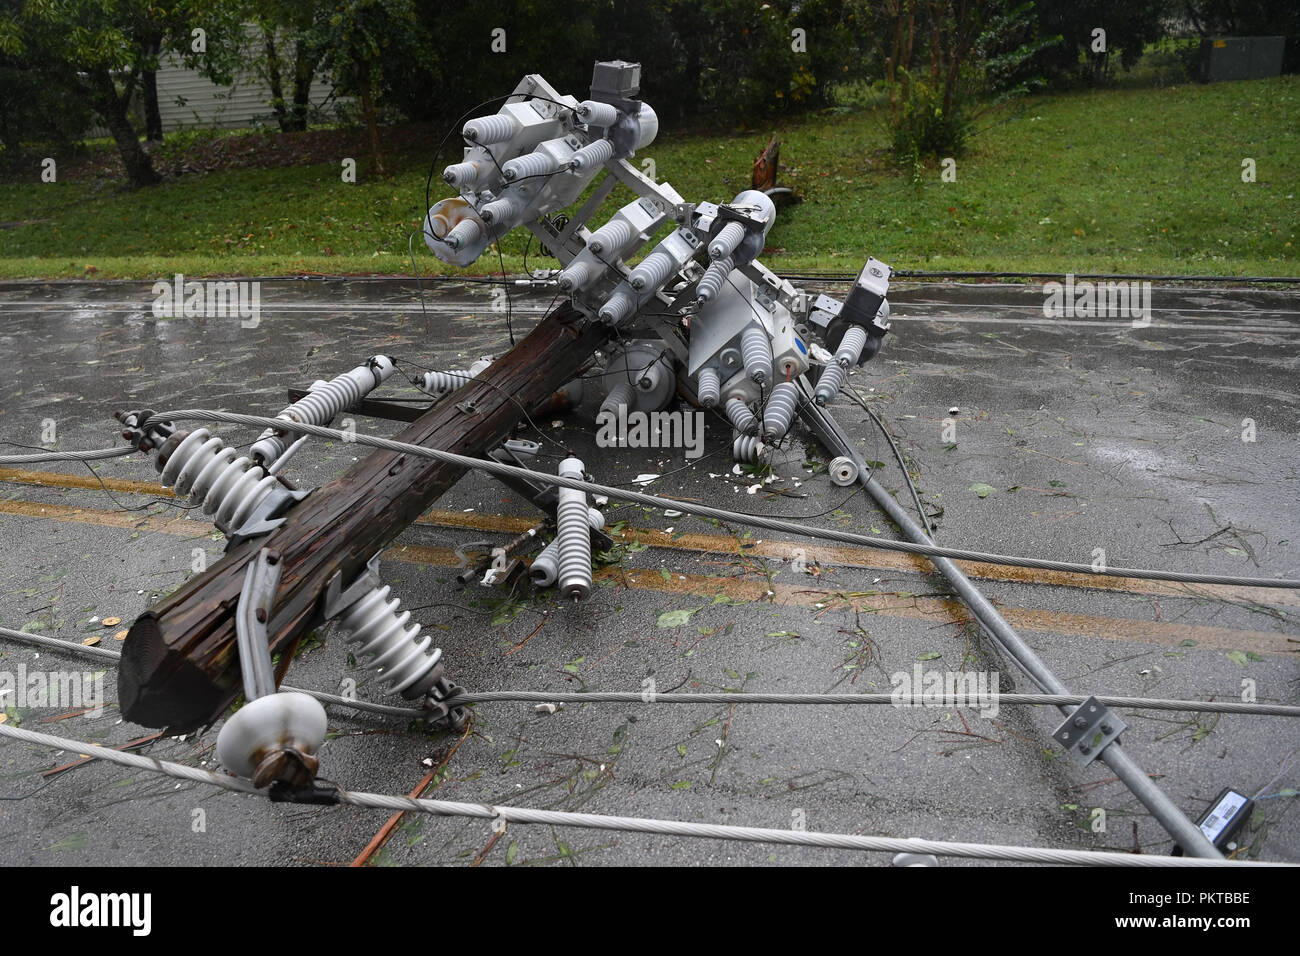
(1089, 730)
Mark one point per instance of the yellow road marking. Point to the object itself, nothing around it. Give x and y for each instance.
(936, 610)
(824, 554)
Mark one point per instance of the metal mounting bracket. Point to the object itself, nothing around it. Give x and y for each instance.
(338, 600)
(1089, 730)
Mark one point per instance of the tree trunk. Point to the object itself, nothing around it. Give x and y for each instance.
(180, 667)
(304, 71)
(112, 108)
(368, 111)
(278, 106)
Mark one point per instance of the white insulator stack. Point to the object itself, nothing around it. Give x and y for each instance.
(577, 275)
(490, 129)
(749, 449)
(612, 237)
(714, 276)
(756, 351)
(779, 412)
(652, 271)
(851, 346)
(725, 242)
(464, 234)
(618, 306)
(573, 535)
(440, 383)
(708, 387)
(462, 175)
(225, 484)
(828, 385)
(740, 416)
(387, 645)
(526, 167)
(505, 210)
(597, 114)
(546, 566)
(621, 395)
(593, 155)
(322, 403)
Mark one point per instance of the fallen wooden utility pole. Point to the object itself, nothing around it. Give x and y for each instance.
(180, 668)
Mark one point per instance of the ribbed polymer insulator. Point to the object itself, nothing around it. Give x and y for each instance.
(714, 276)
(502, 209)
(215, 476)
(532, 164)
(440, 383)
(465, 233)
(389, 647)
(592, 155)
(322, 402)
(546, 566)
(624, 393)
(749, 449)
(708, 387)
(725, 242)
(617, 307)
(741, 417)
(490, 129)
(573, 535)
(779, 412)
(851, 346)
(597, 114)
(652, 271)
(756, 351)
(461, 175)
(577, 275)
(611, 237)
(828, 385)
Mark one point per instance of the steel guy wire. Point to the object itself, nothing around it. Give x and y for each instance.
(788, 527)
(592, 821)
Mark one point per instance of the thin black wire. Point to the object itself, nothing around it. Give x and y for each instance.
(518, 404)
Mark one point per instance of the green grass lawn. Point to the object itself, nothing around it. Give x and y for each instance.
(1129, 180)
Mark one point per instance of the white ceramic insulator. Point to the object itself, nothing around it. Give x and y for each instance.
(389, 643)
(725, 242)
(546, 566)
(592, 155)
(525, 167)
(216, 477)
(490, 129)
(652, 271)
(464, 234)
(749, 449)
(741, 418)
(611, 237)
(714, 276)
(322, 402)
(851, 345)
(461, 175)
(597, 114)
(508, 209)
(709, 387)
(756, 352)
(577, 275)
(573, 535)
(621, 395)
(828, 385)
(617, 307)
(779, 412)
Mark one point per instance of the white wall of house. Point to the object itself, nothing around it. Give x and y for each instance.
(189, 100)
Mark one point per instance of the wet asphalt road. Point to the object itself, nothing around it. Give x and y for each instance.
(1092, 435)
